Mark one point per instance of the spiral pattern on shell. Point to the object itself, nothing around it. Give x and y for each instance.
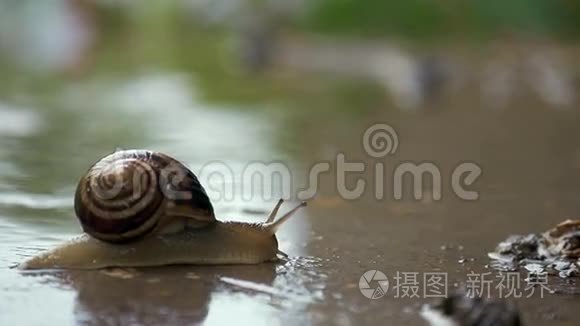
(128, 194)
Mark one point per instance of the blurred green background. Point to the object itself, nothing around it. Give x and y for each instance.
(44, 44)
(447, 20)
(79, 78)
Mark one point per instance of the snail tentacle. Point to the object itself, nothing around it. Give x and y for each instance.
(275, 211)
(272, 227)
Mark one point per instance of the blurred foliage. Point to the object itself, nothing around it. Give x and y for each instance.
(164, 38)
(169, 36)
(433, 19)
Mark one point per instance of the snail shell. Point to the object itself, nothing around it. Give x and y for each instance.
(131, 194)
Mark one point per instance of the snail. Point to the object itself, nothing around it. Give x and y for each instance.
(141, 208)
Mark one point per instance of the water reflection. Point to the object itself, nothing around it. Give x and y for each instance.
(261, 294)
(150, 297)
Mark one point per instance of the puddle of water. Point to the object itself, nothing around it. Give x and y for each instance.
(171, 122)
(34, 201)
(179, 294)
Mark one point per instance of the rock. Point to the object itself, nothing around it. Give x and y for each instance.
(555, 251)
(460, 309)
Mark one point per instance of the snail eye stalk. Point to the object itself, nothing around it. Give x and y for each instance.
(273, 226)
(275, 211)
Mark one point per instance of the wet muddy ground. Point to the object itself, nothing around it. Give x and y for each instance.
(530, 161)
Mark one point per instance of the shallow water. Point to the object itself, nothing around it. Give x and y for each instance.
(529, 154)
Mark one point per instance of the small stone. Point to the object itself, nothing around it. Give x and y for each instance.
(534, 268)
(562, 265)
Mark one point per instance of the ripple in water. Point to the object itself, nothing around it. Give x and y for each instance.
(35, 201)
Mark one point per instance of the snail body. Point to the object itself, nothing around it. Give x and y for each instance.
(142, 208)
